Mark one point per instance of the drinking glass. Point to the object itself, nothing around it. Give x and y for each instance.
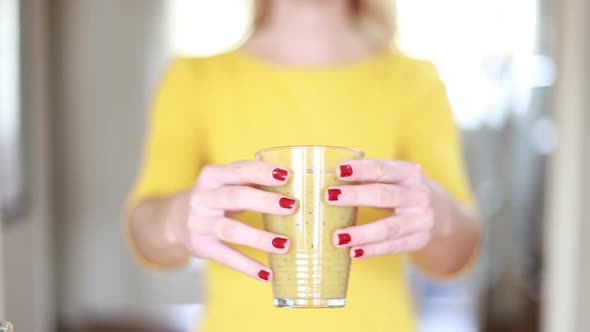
(314, 272)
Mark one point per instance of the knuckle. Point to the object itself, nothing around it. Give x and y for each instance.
(244, 264)
(416, 174)
(201, 225)
(404, 244)
(392, 229)
(208, 170)
(232, 195)
(387, 195)
(199, 248)
(423, 197)
(380, 170)
(268, 199)
(240, 169)
(408, 244)
(262, 201)
(262, 240)
(394, 246)
(206, 176)
(225, 230)
(193, 225)
(350, 193)
(196, 209)
(260, 168)
(417, 168)
(196, 200)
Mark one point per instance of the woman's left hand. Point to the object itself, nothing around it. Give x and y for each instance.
(396, 185)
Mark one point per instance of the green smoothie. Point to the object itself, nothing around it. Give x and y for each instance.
(314, 273)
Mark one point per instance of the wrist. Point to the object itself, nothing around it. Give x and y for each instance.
(443, 209)
(175, 217)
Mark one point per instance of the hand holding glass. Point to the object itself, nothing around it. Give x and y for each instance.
(314, 272)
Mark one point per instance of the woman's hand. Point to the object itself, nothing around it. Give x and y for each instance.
(219, 191)
(392, 185)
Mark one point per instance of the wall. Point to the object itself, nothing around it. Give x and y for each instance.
(583, 300)
(567, 292)
(27, 243)
(108, 57)
(584, 293)
(2, 311)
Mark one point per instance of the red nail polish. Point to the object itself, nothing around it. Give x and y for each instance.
(279, 242)
(333, 194)
(345, 171)
(264, 275)
(287, 203)
(358, 253)
(343, 238)
(280, 174)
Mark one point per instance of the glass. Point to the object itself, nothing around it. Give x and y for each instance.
(5, 327)
(314, 272)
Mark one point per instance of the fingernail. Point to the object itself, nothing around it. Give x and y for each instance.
(345, 171)
(263, 275)
(358, 253)
(279, 242)
(287, 203)
(333, 194)
(343, 238)
(280, 174)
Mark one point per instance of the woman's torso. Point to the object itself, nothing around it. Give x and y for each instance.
(247, 105)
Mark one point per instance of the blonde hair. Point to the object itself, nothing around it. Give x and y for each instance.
(375, 18)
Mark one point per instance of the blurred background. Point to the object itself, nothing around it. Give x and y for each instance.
(76, 78)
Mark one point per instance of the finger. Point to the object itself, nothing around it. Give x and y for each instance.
(378, 170)
(386, 229)
(244, 198)
(379, 195)
(401, 245)
(243, 172)
(233, 231)
(235, 260)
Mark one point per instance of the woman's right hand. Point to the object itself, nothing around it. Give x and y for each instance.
(220, 191)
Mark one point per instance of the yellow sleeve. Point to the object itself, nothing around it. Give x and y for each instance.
(431, 138)
(173, 149)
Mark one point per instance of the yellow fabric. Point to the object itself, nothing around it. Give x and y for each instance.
(224, 108)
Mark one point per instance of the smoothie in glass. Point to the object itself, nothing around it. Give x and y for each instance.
(314, 272)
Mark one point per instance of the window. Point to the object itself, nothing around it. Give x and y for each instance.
(11, 186)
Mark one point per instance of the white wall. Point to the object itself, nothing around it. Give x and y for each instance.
(2, 311)
(109, 54)
(583, 304)
(27, 243)
(567, 291)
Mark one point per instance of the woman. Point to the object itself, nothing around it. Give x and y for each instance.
(312, 72)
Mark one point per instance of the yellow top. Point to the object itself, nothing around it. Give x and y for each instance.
(224, 108)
